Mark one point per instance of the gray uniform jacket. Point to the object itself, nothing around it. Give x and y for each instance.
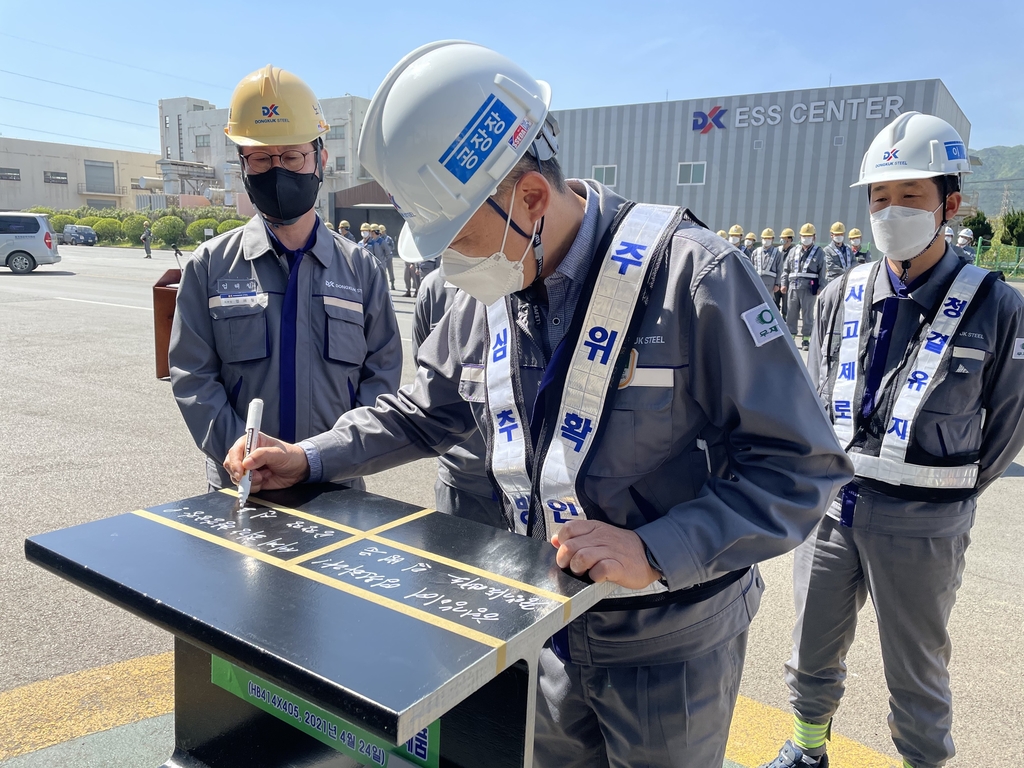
(838, 261)
(647, 473)
(464, 466)
(863, 256)
(768, 265)
(800, 263)
(977, 407)
(348, 348)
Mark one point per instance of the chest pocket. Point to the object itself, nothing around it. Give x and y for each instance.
(950, 422)
(240, 333)
(638, 436)
(344, 339)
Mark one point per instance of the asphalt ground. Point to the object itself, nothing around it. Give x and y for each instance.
(87, 431)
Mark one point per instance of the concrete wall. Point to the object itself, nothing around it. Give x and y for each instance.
(33, 158)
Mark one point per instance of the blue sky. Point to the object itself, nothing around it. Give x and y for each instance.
(593, 53)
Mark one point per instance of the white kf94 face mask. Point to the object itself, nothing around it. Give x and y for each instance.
(902, 233)
(487, 279)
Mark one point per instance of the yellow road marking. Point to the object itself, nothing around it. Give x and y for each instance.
(373, 597)
(51, 712)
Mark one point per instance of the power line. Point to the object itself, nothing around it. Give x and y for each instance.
(84, 114)
(77, 88)
(80, 138)
(113, 61)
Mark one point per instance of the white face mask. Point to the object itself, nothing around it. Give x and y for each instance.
(807, 241)
(855, 241)
(903, 234)
(491, 279)
(734, 240)
(962, 241)
(838, 239)
(748, 243)
(767, 243)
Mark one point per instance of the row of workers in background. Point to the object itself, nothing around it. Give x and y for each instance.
(375, 239)
(795, 276)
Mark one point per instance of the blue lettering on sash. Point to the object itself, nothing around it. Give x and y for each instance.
(917, 380)
(856, 292)
(842, 409)
(846, 371)
(936, 342)
(850, 329)
(559, 507)
(575, 429)
(600, 341)
(500, 347)
(898, 428)
(506, 424)
(954, 307)
(629, 255)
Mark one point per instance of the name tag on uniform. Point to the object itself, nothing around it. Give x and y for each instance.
(238, 293)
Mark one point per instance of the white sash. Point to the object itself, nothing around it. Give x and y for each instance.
(587, 384)
(855, 317)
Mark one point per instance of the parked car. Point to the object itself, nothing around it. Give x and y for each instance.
(26, 241)
(78, 234)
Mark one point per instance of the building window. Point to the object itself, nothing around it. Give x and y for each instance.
(10, 174)
(838, 141)
(135, 184)
(55, 177)
(100, 203)
(339, 164)
(167, 121)
(605, 174)
(99, 177)
(691, 174)
(168, 152)
(758, 143)
(197, 107)
(202, 140)
(337, 132)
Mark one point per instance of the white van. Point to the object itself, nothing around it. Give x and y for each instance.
(26, 241)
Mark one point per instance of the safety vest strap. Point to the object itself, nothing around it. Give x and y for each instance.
(893, 472)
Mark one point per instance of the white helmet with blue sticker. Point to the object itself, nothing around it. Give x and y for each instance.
(448, 123)
(914, 146)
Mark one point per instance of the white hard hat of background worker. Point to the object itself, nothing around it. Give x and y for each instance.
(274, 110)
(446, 126)
(912, 148)
(966, 237)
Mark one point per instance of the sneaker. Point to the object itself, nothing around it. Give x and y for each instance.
(407, 294)
(791, 756)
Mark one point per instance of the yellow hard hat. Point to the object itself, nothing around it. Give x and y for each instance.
(383, 229)
(374, 227)
(271, 108)
(735, 231)
(722, 234)
(343, 225)
(808, 230)
(787, 232)
(750, 236)
(838, 228)
(854, 233)
(364, 227)
(329, 225)
(145, 223)
(768, 234)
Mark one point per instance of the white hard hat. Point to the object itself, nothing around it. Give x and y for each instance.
(914, 146)
(966, 232)
(949, 231)
(445, 127)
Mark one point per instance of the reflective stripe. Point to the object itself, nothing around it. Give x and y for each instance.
(808, 275)
(649, 377)
(354, 306)
(472, 374)
(768, 274)
(900, 473)
(969, 352)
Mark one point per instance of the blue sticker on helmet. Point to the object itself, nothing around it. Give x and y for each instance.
(955, 150)
(478, 139)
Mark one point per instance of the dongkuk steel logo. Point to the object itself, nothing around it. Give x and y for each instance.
(890, 158)
(270, 111)
(271, 115)
(706, 121)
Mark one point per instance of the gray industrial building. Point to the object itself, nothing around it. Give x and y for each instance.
(766, 160)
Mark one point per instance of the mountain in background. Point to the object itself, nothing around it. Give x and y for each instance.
(997, 163)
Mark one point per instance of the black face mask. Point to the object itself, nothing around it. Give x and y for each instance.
(281, 194)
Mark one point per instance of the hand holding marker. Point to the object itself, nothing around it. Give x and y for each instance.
(252, 432)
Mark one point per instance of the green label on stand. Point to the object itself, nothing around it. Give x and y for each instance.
(352, 741)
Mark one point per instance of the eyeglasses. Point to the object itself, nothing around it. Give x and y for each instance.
(291, 160)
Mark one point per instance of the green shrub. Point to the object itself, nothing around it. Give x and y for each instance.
(60, 221)
(170, 230)
(88, 221)
(108, 230)
(979, 225)
(40, 209)
(195, 229)
(133, 227)
(228, 224)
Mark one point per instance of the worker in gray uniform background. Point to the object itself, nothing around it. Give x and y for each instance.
(919, 360)
(462, 487)
(803, 275)
(388, 246)
(344, 229)
(861, 255)
(651, 676)
(767, 261)
(838, 256)
(785, 246)
(965, 242)
(749, 243)
(281, 309)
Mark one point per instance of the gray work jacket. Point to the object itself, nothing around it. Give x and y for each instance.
(977, 407)
(768, 264)
(838, 260)
(348, 348)
(464, 466)
(781, 465)
(800, 263)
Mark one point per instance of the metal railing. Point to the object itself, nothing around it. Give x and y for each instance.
(1008, 259)
(83, 189)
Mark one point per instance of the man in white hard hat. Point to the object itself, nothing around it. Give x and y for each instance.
(918, 359)
(964, 242)
(281, 309)
(605, 464)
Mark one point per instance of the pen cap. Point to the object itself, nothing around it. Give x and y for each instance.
(255, 415)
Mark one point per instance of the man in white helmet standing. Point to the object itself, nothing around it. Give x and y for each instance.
(918, 359)
(671, 344)
(281, 309)
(965, 241)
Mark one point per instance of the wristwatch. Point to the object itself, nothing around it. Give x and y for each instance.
(654, 564)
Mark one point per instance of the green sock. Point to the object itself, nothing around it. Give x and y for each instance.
(809, 736)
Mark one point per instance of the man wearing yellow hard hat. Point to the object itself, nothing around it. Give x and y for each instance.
(281, 309)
